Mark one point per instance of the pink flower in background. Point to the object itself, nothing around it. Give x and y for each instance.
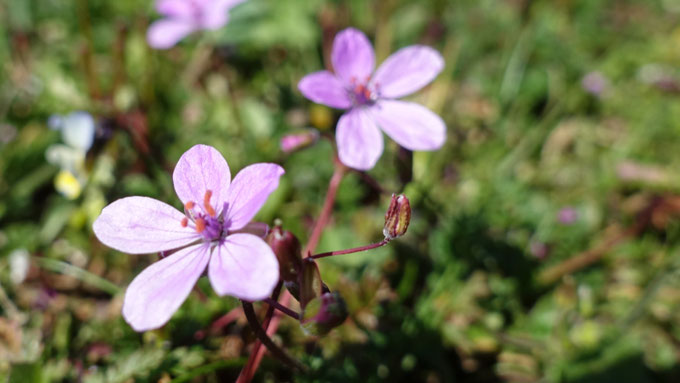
(214, 232)
(371, 98)
(186, 16)
(292, 142)
(567, 215)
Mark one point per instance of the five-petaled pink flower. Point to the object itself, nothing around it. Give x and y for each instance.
(370, 98)
(214, 232)
(186, 16)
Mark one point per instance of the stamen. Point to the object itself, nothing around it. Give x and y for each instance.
(185, 222)
(189, 205)
(206, 204)
(200, 224)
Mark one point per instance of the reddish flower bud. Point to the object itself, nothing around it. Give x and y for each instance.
(324, 313)
(287, 249)
(397, 217)
(293, 142)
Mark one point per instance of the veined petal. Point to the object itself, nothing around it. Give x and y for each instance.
(325, 88)
(140, 225)
(200, 169)
(245, 267)
(407, 70)
(411, 125)
(359, 140)
(249, 191)
(158, 291)
(165, 33)
(352, 56)
(258, 229)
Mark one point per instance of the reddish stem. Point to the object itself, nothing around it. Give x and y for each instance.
(327, 209)
(282, 308)
(221, 322)
(271, 324)
(352, 250)
(262, 335)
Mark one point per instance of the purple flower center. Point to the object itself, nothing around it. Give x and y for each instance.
(363, 94)
(205, 219)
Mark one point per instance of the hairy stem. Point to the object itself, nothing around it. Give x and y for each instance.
(266, 340)
(282, 308)
(256, 354)
(352, 250)
(327, 209)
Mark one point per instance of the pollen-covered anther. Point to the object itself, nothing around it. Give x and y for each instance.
(206, 204)
(189, 205)
(185, 222)
(200, 225)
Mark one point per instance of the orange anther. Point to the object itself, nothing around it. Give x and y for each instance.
(189, 205)
(200, 224)
(185, 222)
(206, 203)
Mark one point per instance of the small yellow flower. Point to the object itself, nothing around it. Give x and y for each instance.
(68, 185)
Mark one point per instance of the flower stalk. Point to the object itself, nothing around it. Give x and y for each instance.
(352, 250)
(266, 340)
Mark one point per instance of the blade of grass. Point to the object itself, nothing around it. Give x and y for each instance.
(77, 273)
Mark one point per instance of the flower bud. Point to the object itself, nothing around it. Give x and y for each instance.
(397, 217)
(309, 286)
(287, 249)
(293, 142)
(324, 313)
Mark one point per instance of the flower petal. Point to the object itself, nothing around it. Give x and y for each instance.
(325, 88)
(216, 13)
(180, 9)
(158, 291)
(78, 130)
(244, 267)
(411, 125)
(249, 191)
(141, 225)
(200, 169)
(164, 34)
(352, 56)
(258, 229)
(359, 140)
(407, 70)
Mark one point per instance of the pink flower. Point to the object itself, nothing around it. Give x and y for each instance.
(213, 233)
(371, 98)
(292, 142)
(186, 16)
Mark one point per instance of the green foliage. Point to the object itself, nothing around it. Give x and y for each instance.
(482, 288)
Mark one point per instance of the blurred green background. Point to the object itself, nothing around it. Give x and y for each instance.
(544, 242)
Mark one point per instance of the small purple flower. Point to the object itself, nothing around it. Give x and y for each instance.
(186, 16)
(567, 215)
(213, 232)
(292, 142)
(371, 98)
(595, 83)
(539, 250)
